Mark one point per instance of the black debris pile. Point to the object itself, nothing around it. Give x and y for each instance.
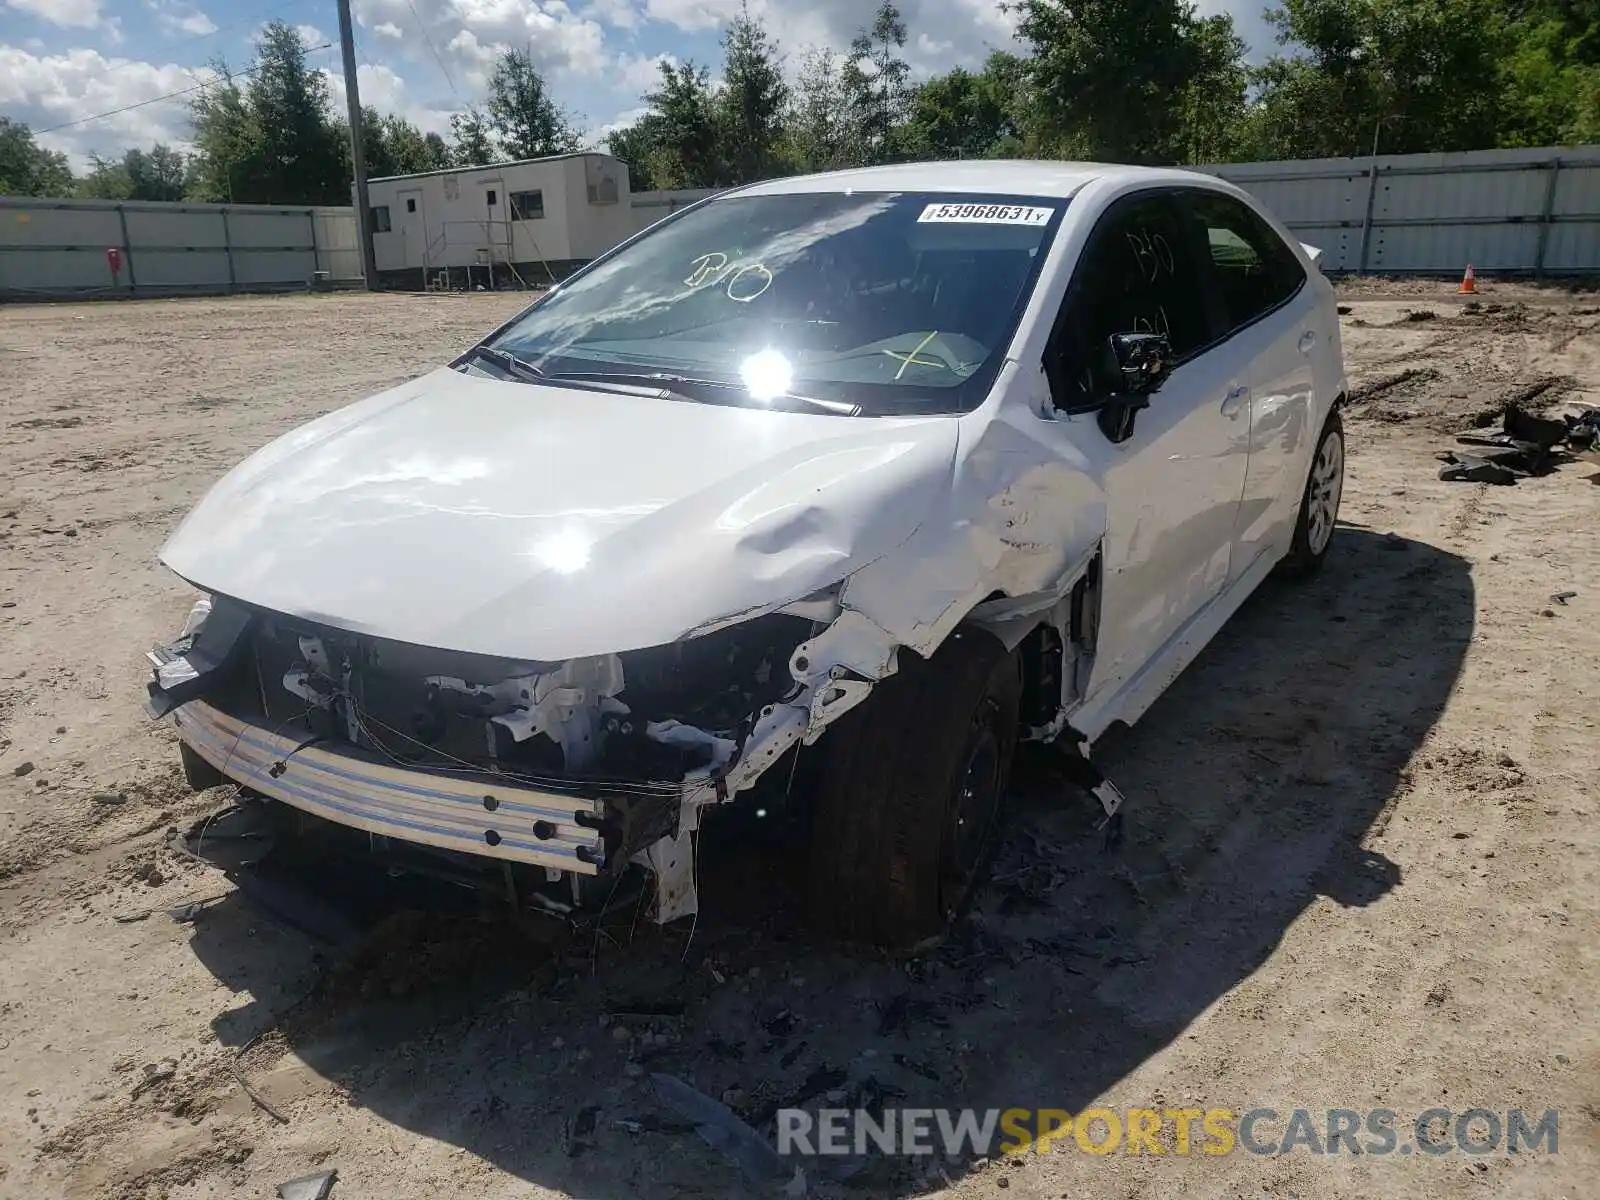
(1526, 446)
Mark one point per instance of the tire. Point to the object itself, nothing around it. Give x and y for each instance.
(910, 791)
(1319, 504)
(197, 772)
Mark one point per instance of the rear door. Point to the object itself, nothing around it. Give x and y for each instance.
(1172, 486)
(1265, 318)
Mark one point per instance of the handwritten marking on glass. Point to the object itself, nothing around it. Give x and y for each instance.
(706, 268)
(743, 283)
(906, 360)
(748, 282)
(1151, 253)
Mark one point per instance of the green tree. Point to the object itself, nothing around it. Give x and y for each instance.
(274, 140)
(1552, 75)
(1110, 77)
(751, 104)
(1212, 108)
(876, 79)
(472, 141)
(106, 180)
(28, 169)
(1418, 74)
(965, 114)
(522, 113)
(302, 157)
(816, 128)
(227, 142)
(640, 145)
(155, 174)
(687, 153)
(394, 146)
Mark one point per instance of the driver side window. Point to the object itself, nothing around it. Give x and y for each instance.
(1137, 275)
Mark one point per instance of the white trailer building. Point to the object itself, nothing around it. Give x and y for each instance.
(526, 222)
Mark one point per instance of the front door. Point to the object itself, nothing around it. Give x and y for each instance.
(1173, 485)
(413, 223)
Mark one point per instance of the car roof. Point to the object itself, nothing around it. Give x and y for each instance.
(1007, 177)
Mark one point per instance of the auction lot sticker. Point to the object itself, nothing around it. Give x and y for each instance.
(986, 214)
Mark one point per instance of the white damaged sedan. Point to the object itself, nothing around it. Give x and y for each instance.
(818, 496)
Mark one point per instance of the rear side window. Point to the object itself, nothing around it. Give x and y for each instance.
(1253, 269)
(1137, 275)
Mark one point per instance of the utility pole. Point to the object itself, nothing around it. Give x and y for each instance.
(358, 157)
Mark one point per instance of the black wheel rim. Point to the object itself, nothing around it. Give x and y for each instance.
(973, 809)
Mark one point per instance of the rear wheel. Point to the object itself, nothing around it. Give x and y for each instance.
(1319, 503)
(910, 793)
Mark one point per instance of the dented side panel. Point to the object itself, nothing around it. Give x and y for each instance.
(1020, 522)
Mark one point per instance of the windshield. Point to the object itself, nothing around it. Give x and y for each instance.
(895, 302)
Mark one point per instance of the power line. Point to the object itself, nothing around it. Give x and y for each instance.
(158, 99)
(436, 55)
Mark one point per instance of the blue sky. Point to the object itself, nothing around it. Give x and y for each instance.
(65, 60)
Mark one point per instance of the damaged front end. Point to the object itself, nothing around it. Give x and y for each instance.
(555, 777)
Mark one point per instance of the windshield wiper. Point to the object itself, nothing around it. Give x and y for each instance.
(687, 386)
(510, 363)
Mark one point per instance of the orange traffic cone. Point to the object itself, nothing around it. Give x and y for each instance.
(1469, 283)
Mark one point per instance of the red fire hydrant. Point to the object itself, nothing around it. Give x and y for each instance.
(114, 261)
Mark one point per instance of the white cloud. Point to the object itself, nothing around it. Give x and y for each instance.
(54, 89)
(310, 35)
(640, 73)
(70, 14)
(472, 33)
(618, 13)
(940, 33)
(197, 24)
(473, 59)
(694, 15)
(621, 121)
(388, 29)
(385, 90)
(174, 18)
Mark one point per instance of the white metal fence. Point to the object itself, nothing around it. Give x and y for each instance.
(55, 248)
(1529, 212)
(1533, 211)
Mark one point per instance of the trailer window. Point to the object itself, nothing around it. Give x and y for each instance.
(527, 206)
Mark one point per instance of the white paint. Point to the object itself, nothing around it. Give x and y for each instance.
(441, 502)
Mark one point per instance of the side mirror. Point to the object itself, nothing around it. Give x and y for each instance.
(1139, 363)
(1143, 361)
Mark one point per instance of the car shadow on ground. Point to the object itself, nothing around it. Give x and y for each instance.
(1252, 786)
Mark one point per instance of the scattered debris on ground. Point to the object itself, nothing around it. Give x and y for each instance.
(1293, 862)
(308, 1187)
(1526, 447)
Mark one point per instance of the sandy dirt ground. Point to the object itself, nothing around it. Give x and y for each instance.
(1360, 865)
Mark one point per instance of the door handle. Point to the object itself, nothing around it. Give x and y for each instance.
(1308, 339)
(1234, 400)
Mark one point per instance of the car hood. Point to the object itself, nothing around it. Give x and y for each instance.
(548, 523)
